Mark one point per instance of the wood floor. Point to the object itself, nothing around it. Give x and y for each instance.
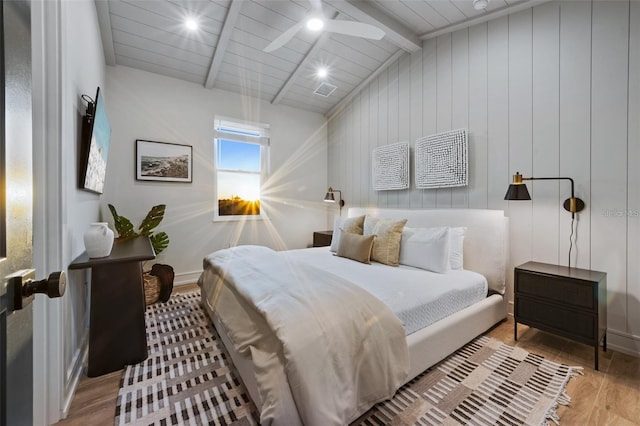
(610, 396)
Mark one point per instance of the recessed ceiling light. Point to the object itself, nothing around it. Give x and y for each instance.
(480, 4)
(191, 24)
(322, 72)
(315, 24)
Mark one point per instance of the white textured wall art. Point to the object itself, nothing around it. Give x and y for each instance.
(390, 166)
(442, 160)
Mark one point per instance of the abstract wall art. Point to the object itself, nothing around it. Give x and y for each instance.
(441, 160)
(390, 167)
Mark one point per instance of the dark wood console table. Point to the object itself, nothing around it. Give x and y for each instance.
(117, 332)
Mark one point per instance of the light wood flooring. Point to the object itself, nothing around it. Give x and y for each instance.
(610, 396)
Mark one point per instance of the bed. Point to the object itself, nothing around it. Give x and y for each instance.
(285, 375)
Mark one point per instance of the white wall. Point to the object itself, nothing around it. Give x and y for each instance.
(83, 70)
(68, 61)
(141, 105)
(549, 91)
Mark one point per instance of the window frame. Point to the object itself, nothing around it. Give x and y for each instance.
(243, 132)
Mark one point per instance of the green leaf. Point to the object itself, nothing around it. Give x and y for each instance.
(159, 241)
(153, 219)
(123, 226)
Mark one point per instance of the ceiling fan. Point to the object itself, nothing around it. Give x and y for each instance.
(316, 21)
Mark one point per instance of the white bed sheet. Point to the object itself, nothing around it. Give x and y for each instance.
(418, 297)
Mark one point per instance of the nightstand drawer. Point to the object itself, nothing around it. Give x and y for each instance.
(568, 292)
(570, 302)
(558, 319)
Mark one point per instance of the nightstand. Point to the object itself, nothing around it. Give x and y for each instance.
(569, 302)
(322, 238)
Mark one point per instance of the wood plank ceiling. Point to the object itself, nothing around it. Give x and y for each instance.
(225, 51)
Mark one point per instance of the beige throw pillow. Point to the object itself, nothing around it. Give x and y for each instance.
(386, 246)
(356, 247)
(352, 224)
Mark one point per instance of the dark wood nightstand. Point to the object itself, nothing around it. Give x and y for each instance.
(569, 302)
(322, 238)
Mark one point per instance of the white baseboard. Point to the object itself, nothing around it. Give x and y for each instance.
(186, 278)
(76, 372)
(623, 342)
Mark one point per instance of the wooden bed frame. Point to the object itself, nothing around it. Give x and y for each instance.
(485, 251)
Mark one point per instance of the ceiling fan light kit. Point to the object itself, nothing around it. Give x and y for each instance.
(318, 22)
(315, 24)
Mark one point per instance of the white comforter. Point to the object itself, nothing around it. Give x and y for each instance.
(418, 297)
(340, 348)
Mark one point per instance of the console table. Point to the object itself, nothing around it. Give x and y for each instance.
(117, 332)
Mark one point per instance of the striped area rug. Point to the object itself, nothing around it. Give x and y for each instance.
(484, 383)
(189, 379)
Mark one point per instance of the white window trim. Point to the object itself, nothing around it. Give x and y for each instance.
(262, 140)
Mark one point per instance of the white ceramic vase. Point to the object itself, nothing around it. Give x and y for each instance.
(98, 240)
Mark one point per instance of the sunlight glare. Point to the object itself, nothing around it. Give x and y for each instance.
(250, 194)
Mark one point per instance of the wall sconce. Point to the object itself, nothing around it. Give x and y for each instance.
(330, 197)
(518, 191)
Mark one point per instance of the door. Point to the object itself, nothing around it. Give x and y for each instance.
(16, 225)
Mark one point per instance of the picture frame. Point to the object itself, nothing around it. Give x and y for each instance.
(94, 145)
(163, 161)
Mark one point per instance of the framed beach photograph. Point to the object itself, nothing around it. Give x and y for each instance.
(163, 161)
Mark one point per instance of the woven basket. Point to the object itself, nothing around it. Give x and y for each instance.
(151, 289)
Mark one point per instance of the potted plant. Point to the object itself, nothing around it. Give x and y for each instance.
(124, 227)
(158, 282)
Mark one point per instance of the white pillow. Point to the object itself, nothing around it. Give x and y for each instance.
(456, 244)
(370, 222)
(352, 224)
(426, 248)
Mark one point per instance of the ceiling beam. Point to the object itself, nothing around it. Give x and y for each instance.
(349, 97)
(494, 14)
(104, 22)
(395, 32)
(223, 42)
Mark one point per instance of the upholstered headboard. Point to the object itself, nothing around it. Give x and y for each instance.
(485, 242)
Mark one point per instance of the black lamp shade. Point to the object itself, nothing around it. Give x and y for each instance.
(329, 197)
(517, 192)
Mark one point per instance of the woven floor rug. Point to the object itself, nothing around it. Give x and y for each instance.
(189, 379)
(484, 383)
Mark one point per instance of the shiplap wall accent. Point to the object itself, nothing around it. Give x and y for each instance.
(548, 91)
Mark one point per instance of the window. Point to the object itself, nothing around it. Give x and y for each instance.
(241, 152)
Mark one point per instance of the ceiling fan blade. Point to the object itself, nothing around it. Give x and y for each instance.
(353, 28)
(283, 38)
(316, 5)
